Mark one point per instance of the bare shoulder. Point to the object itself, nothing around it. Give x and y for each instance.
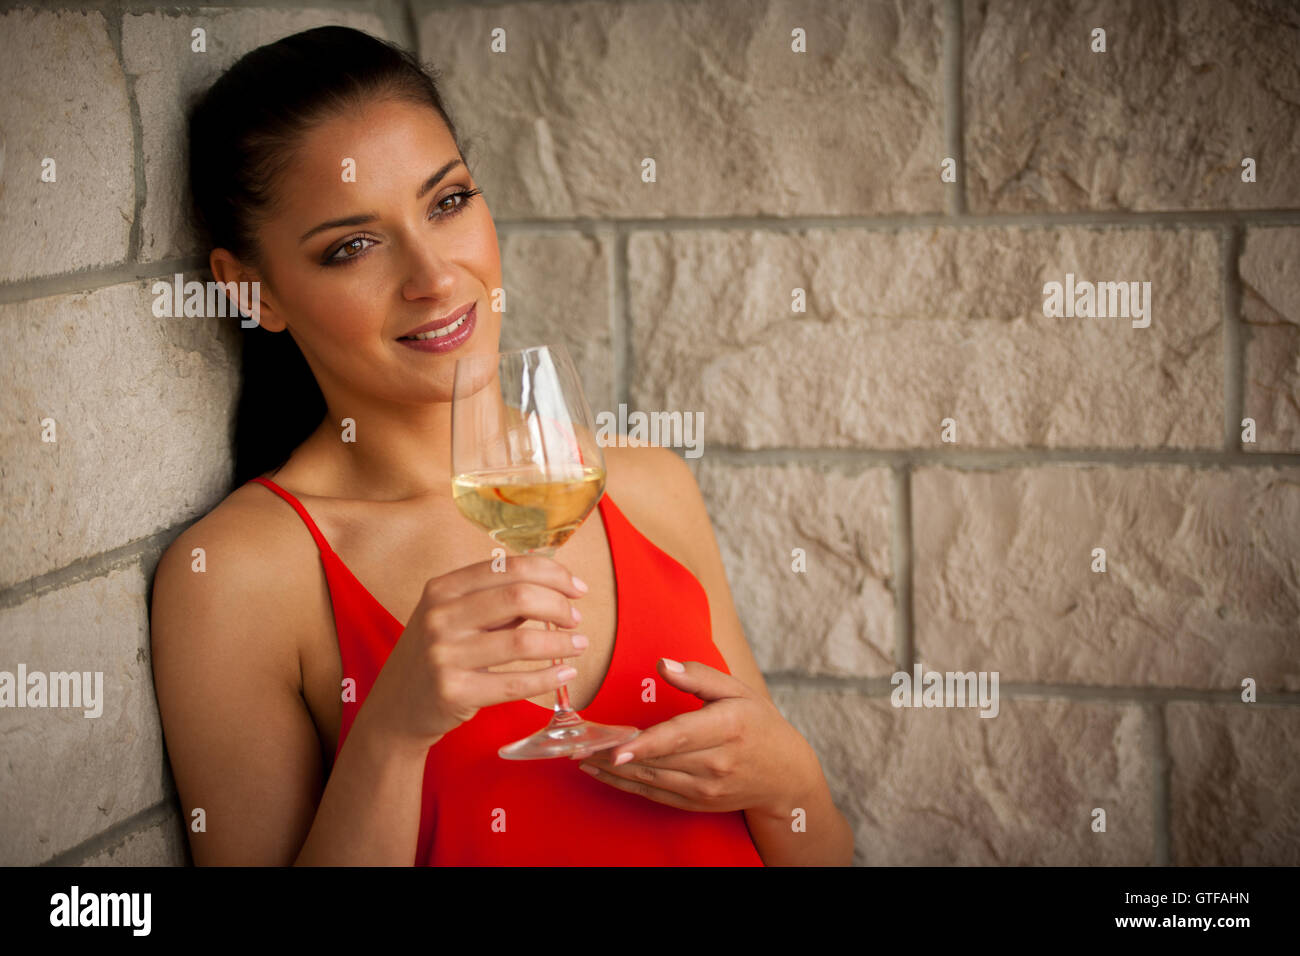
(657, 491)
(232, 599)
(249, 561)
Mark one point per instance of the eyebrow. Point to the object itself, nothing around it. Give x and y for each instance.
(365, 217)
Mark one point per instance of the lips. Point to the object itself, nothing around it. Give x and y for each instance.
(439, 323)
(444, 340)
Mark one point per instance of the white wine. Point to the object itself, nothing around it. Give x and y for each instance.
(526, 510)
(526, 468)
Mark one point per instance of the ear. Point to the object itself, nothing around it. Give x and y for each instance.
(227, 269)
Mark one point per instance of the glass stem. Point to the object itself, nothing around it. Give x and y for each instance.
(563, 709)
(562, 705)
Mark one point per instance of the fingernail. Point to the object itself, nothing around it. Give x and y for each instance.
(622, 759)
(580, 640)
(566, 673)
(580, 584)
(672, 665)
(577, 616)
(588, 768)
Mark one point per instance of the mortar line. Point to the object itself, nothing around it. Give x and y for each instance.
(1095, 693)
(1169, 219)
(430, 5)
(954, 117)
(411, 24)
(1159, 783)
(113, 835)
(186, 10)
(988, 459)
(621, 333)
(427, 6)
(115, 25)
(92, 280)
(396, 17)
(1234, 358)
(900, 535)
(94, 566)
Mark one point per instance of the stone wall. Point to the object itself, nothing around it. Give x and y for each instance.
(937, 455)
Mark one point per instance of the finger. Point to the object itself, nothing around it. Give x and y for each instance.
(642, 789)
(486, 689)
(705, 682)
(517, 644)
(702, 729)
(580, 754)
(688, 783)
(483, 575)
(705, 763)
(498, 607)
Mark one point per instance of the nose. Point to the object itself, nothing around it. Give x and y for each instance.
(429, 274)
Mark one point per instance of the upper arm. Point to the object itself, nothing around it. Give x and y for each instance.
(240, 739)
(694, 530)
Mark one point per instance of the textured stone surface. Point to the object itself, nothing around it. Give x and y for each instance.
(938, 787)
(837, 617)
(64, 99)
(1162, 120)
(904, 329)
(141, 407)
(158, 844)
(1200, 588)
(1234, 784)
(156, 48)
(736, 122)
(65, 777)
(1270, 307)
(557, 289)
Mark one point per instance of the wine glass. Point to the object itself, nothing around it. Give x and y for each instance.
(526, 468)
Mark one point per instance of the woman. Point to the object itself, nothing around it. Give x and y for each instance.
(305, 723)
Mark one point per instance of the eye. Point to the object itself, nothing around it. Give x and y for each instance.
(354, 249)
(351, 248)
(465, 196)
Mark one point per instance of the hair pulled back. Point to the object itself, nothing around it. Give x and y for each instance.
(243, 132)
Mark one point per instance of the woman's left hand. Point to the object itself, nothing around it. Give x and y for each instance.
(735, 753)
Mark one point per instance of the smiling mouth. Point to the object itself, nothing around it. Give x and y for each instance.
(438, 333)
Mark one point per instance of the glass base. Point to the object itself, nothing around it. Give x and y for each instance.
(568, 735)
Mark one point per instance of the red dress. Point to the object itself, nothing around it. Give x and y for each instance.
(479, 809)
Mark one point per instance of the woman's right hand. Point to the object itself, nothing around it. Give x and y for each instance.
(468, 620)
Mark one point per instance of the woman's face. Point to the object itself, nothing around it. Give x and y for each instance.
(362, 253)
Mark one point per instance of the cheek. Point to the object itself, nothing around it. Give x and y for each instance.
(342, 309)
(484, 249)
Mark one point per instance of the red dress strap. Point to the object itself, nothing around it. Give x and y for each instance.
(302, 512)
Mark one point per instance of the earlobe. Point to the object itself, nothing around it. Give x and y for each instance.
(262, 313)
(270, 323)
(251, 305)
(244, 290)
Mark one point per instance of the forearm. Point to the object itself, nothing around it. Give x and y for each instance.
(818, 836)
(369, 813)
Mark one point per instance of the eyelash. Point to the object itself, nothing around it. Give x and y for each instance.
(467, 196)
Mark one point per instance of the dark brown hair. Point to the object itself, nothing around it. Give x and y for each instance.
(242, 134)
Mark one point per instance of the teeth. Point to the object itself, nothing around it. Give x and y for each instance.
(439, 333)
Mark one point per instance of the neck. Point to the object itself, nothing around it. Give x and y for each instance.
(391, 453)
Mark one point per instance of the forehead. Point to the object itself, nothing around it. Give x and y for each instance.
(392, 145)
